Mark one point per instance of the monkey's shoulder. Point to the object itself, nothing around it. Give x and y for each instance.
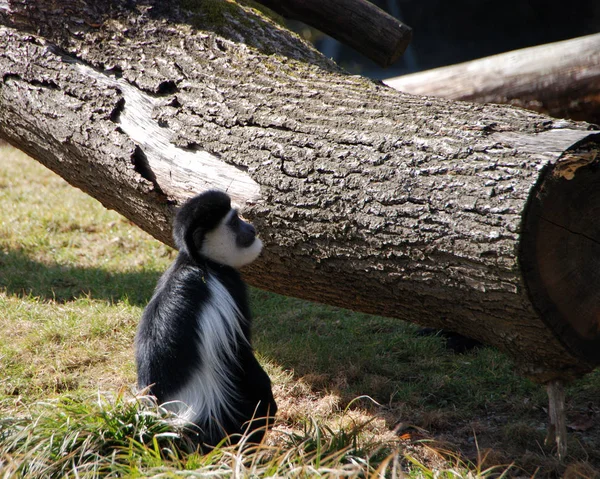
(195, 284)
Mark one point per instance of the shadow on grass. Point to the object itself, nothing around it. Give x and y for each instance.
(456, 398)
(22, 276)
(470, 403)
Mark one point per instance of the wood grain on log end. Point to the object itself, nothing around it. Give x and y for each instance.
(560, 249)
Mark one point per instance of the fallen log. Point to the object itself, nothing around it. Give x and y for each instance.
(476, 218)
(561, 79)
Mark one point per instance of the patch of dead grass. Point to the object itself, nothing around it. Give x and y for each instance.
(69, 268)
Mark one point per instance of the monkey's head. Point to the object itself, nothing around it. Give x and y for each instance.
(207, 227)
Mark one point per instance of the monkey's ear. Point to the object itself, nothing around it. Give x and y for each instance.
(198, 235)
(192, 241)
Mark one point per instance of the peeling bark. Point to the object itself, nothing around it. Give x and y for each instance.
(365, 198)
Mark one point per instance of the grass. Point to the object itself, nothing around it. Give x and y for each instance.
(359, 396)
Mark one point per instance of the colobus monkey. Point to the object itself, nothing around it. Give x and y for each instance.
(193, 346)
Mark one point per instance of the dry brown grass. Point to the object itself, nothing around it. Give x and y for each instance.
(74, 278)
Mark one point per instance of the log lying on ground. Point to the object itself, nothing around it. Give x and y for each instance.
(560, 79)
(357, 23)
(479, 219)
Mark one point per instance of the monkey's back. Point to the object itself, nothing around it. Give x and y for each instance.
(193, 346)
(167, 336)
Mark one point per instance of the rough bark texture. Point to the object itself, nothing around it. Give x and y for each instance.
(561, 79)
(366, 198)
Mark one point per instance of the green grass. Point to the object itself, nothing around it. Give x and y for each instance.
(359, 395)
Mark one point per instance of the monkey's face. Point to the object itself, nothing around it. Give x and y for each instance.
(233, 242)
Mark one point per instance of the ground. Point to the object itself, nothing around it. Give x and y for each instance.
(355, 388)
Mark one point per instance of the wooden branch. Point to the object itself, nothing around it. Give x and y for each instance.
(476, 218)
(356, 23)
(560, 79)
(557, 425)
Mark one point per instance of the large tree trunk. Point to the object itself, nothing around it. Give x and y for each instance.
(480, 219)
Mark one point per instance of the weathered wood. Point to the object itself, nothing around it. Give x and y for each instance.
(560, 79)
(365, 198)
(357, 23)
(557, 425)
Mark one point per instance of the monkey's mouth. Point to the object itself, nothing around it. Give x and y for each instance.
(245, 240)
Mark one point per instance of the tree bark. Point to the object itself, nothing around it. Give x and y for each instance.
(561, 79)
(427, 210)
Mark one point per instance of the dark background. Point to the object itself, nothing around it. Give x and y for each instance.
(453, 31)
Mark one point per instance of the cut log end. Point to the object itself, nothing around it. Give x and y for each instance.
(560, 249)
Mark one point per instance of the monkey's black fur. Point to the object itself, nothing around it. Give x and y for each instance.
(193, 343)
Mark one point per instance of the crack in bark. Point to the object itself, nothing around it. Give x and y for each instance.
(7, 77)
(115, 115)
(142, 166)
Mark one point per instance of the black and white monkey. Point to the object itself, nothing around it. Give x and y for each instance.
(193, 346)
